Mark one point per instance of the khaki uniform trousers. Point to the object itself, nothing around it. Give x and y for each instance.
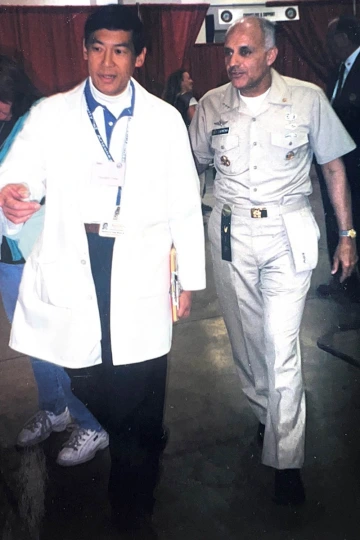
(262, 299)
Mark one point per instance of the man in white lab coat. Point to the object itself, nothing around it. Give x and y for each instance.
(95, 298)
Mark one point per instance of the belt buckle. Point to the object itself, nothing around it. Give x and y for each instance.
(258, 213)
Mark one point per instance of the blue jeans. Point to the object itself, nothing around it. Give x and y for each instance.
(52, 381)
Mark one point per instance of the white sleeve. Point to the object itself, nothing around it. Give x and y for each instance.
(185, 217)
(200, 141)
(25, 163)
(8, 228)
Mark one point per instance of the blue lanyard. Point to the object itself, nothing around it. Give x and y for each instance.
(127, 112)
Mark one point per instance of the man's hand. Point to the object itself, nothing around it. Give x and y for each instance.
(184, 304)
(345, 255)
(12, 202)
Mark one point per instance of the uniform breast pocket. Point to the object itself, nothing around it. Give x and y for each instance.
(289, 147)
(228, 154)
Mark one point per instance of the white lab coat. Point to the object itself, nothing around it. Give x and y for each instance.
(57, 318)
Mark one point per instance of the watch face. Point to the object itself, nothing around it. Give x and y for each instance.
(352, 233)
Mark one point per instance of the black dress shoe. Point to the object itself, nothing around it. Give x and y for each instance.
(134, 523)
(289, 488)
(260, 434)
(339, 291)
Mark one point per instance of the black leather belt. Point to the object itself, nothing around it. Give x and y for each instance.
(92, 228)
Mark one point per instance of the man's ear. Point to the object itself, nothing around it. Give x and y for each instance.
(341, 40)
(85, 52)
(140, 59)
(271, 55)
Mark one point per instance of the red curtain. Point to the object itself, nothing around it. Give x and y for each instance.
(48, 42)
(172, 31)
(291, 63)
(302, 44)
(207, 67)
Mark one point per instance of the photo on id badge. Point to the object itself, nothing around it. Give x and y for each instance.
(113, 227)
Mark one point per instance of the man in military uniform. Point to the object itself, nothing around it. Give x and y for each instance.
(262, 130)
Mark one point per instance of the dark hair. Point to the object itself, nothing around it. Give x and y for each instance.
(173, 86)
(116, 17)
(349, 25)
(16, 87)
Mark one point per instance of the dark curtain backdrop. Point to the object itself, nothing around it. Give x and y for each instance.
(172, 31)
(48, 41)
(207, 67)
(302, 44)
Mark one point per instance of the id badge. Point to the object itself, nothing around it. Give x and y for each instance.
(108, 174)
(113, 227)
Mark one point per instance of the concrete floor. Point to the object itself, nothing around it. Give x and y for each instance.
(213, 486)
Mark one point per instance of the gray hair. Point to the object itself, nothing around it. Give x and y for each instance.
(267, 28)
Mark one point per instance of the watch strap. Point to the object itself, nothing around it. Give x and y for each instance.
(351, 233)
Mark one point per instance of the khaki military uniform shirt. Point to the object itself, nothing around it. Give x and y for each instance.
(266, 158)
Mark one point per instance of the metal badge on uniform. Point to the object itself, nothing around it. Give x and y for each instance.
(225, 161)
(226, 233)
(108, 173)
(352, 97)
(220, 131)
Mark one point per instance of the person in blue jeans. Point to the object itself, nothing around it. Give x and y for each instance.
(58, 407)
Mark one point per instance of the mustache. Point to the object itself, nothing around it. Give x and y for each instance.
(235, 70)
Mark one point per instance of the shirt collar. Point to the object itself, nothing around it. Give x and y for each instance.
(231, 99)
(349, 62)
(279, 93)
(93, 104)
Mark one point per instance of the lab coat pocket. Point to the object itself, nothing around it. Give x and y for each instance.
(60, 285)
(303, 236)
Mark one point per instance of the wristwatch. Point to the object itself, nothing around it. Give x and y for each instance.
(351, 233)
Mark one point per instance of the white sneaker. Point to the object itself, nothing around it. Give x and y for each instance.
(82, 446)
(41, 425)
